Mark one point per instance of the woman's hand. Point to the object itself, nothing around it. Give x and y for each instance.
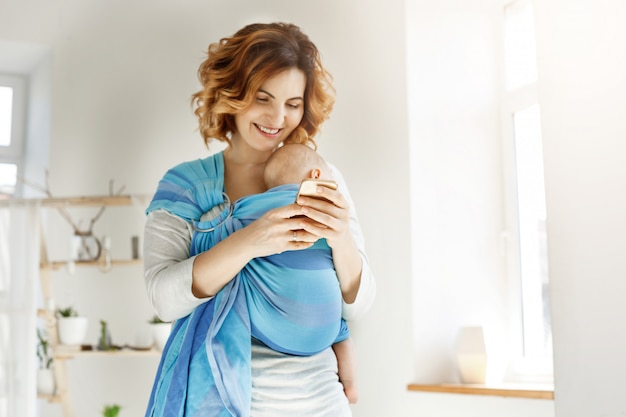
(329, 217)
(275, 232)
(278, 230)
(292, 227)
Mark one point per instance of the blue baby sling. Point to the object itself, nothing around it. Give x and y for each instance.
(291, 301)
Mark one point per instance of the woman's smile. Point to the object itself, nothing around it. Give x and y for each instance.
(268, 130)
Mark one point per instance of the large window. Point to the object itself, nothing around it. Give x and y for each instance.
(526, 209)
(12, 108)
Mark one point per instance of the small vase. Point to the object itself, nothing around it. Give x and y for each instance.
(472, 355)
(104, 341)
(72, 330)
(45, 381)
(85, 247)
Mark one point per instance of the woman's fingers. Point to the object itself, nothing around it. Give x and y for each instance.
(279, 230)
(328, 218)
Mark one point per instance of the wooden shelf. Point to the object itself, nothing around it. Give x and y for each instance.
(64, 353)
(84, 201)
(56, 265)
(93, 201)
(70, 352)
(543, 392)
(50, 398)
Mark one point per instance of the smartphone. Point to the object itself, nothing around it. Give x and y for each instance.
(309, 185)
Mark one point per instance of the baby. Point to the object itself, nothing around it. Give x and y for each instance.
(290, 164)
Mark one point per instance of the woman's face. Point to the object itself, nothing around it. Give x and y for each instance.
(276, 111)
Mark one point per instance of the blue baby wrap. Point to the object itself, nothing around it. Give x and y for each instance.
(289, 301)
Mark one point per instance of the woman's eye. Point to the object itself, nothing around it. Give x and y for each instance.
(293, 106)
(262, 99)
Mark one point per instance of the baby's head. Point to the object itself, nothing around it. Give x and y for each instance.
(292, 163)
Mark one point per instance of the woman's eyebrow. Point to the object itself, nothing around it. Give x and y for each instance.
(272, 96)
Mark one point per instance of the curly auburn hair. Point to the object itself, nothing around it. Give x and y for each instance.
(236, 67)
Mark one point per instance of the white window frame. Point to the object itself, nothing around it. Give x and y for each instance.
(14, 153)
(520, 368)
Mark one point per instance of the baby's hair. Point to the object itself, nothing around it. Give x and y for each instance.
(292, 163)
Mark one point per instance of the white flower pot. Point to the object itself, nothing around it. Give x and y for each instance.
(143, 337)
(72, 330)
(45, 381)
(160, 334)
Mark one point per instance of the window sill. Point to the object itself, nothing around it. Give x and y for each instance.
(543, 392)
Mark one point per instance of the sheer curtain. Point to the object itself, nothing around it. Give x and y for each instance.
(19, 281)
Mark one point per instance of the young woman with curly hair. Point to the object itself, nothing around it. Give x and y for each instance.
(262, 87)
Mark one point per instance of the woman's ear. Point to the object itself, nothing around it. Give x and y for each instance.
(315, 173)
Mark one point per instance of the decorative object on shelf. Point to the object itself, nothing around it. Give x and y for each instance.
(104, 260)
(84, 246)
(45, 374)
(160, 332)
(472, 355)
(72, 327)
(104, 341)
(134, 242)
(111, 410)
(45, 381)
(143, 339)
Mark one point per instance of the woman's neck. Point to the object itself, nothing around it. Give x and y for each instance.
(241, 154)
(243, 171)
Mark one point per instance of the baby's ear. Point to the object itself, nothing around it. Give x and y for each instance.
(315, 173)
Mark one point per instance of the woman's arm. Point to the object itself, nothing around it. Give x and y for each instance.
(366, 288)
(176, 283)
(168, 268)
(338, 223)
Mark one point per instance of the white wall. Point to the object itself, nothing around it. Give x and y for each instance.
(456, 192)
(457, 188)
(122, 74)
(582, 62)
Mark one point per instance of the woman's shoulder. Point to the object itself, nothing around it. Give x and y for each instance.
(191, 188)
(211, 166)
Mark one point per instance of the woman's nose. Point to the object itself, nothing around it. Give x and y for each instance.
(276, 115)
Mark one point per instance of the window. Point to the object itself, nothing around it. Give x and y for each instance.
(6, 114)
(527, 254)
(12, 107)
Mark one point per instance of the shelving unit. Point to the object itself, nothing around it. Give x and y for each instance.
(62, 353)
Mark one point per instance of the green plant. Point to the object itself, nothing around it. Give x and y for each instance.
(43, 350)
(111, 410)
(156, 320)
(104, 342)
(67, 312)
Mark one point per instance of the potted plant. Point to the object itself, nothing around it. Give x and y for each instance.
(72, 327)
(45, 375)
(111, 410)
(160, 331)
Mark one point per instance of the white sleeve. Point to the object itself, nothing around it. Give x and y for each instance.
(367, 288)
(168, 268)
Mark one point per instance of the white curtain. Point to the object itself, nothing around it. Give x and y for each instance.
(19, 282)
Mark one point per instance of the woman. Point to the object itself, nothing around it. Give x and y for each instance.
(262, 87)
